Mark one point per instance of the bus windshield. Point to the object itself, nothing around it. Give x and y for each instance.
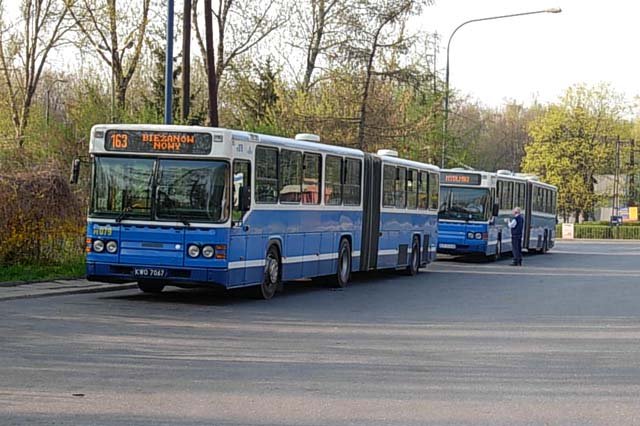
(458, 203)
(122, 187)
(192, 190)
(142, 188)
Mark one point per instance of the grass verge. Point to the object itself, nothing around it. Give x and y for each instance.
(73, 268)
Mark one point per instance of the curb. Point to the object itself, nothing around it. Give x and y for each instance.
(100, 289)
(19, 283)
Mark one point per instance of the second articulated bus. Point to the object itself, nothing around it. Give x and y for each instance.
(474, 204)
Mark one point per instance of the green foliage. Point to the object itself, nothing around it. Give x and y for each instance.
(153, 106)
(71, 268)
(571, 142)
(40, 218)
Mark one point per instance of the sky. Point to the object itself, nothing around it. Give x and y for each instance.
(531, 58)
(537, 57)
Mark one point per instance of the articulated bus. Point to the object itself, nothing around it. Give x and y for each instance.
(474, 204)
(194, 206)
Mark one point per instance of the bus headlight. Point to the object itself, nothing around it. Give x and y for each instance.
(208, 251)
(478, 235)
(112, 247)
(98, 246)
(470, 235)
(193, 250)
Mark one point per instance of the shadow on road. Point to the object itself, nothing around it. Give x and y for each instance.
(215, 296)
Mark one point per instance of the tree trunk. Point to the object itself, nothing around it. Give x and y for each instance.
(186, 61)
(211, 68)
(365, 94)
(314, 46)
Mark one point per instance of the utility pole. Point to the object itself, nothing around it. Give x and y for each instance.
(616, 206)
(631, 191)
(168, 75)
(186, 61)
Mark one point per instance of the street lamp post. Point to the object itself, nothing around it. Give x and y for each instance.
(446, 84)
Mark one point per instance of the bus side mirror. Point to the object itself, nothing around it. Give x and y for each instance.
(496, 209)
(75, 171)
(245, 198)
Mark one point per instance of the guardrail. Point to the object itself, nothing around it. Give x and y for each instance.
(603, 232)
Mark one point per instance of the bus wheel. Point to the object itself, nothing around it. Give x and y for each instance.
(414, 264)
(343, 274)
(150, 287)
(272, 274)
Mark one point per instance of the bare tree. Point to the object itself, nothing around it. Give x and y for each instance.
(378, 25)
(318, 30)
(24, 50)
(116, 34)
(240, 25)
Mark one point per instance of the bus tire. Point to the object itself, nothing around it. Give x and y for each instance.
(150, 287)
(414, 263)
(343, 272)
(272, 275)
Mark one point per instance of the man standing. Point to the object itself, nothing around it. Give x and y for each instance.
(516, 224)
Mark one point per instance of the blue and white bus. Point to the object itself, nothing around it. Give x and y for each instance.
(474, 204)
(195, 206)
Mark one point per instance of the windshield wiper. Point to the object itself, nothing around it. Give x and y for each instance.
(123, 214)
(182, 219)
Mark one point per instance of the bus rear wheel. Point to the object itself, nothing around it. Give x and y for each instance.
(545, 245)
(414, 264)
(343, 274)
(272, 274)
(150, 287)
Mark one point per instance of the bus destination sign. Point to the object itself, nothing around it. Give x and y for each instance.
(157, 142)
(461, 178)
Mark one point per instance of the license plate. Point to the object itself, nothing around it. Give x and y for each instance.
(447, 246)
(149, 272)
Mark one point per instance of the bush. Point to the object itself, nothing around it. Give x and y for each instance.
(40, 218)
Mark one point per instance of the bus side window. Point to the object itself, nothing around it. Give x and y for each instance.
(266, 175)
(352, 179)
(434, 190)
(290, 176)
(333, 181)
(241, 186)
(388, 186)
(412, 189)
(423, 191)
(312, 165)
(401, 194)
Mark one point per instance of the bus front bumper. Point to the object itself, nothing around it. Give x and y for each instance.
(468, 247)
(118, 273)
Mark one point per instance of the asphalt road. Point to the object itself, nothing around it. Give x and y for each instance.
(554, 342)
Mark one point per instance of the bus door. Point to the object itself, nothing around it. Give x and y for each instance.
(371, 213)
(238, 236)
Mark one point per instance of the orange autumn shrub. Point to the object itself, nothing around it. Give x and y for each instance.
(41, 219)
